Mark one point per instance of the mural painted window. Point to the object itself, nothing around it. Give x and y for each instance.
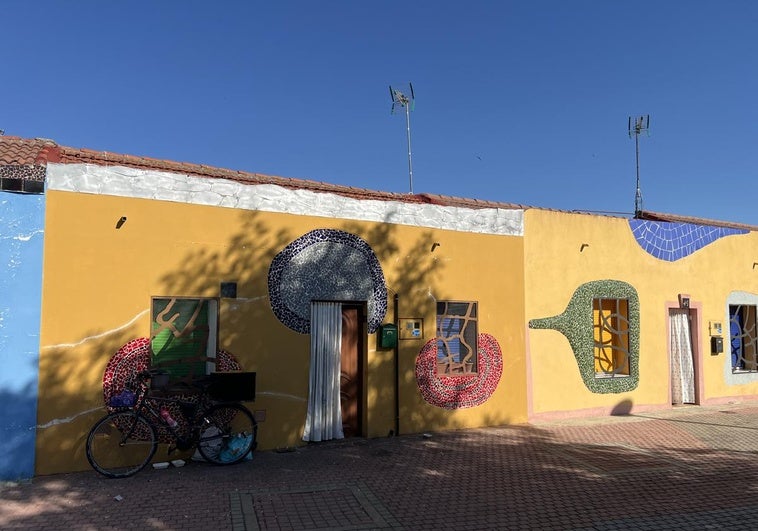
(183, 338)
(743, 337)
(610, 318)
(456, 338)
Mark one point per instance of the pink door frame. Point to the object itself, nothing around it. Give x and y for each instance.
(696, 317)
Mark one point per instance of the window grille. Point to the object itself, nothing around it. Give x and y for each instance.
(743, 338)
(611, 335)
(456, 337)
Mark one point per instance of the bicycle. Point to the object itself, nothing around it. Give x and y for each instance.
(125, 440)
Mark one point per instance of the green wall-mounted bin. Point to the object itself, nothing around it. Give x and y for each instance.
(388, 336)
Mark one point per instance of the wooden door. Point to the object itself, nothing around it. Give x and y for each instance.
(351, 373)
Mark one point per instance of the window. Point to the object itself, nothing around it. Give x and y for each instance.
(610, 318)
(183, 338)
(743, 337)
(456, 338)
(602, 324)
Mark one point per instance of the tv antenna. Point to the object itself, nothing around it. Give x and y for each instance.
(638, 125)
(401, 99)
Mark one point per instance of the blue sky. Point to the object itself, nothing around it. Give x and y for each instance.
(524, 102)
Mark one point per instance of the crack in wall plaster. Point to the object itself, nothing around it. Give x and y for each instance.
(282, 395)
(98, 336)
(65, 420)
(24, 237)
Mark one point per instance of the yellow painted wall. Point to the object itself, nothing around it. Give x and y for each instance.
(464, 267)
(99, 279)
(556, 264)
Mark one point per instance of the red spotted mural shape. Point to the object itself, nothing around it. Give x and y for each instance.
(460, 391)
(134, 357)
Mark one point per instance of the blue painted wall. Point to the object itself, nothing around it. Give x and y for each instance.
(21, 236)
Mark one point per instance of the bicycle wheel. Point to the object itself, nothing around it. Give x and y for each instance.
(121, 444)
(228, 434)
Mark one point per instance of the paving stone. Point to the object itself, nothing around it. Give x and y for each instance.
(687, 468)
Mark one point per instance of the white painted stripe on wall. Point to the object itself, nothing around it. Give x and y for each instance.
(181, 188)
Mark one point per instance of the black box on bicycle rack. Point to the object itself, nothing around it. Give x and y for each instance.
(233, 386)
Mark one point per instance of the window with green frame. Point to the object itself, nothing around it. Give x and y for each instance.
(183, 339)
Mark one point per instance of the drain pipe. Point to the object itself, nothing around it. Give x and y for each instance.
(397, 371)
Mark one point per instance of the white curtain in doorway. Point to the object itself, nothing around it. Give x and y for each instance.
(682, 367)
(323, 420)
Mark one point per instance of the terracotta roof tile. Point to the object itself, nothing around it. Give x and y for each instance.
(16, 150)
(22, 151)
(39, 151)
(444, 200)
(675, 218)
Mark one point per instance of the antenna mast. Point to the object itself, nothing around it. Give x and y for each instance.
(638, 125)
(400, 99)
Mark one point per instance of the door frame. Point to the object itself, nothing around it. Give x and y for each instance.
(696, 312)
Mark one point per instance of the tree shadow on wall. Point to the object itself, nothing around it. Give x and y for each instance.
(71, 374)
(249, 329)
(246, 323)
(70, 396)
(414, 274)
(243, 259)
(17, 408)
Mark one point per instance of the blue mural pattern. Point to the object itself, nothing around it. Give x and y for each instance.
(673, 241)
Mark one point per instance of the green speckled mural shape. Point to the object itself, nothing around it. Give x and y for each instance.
(576, 323)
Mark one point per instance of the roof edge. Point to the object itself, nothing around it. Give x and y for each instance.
(676, 218)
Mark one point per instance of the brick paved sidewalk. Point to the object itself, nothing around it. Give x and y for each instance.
(690, 468)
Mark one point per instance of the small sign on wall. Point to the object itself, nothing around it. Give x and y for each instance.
(715, 328)
(412, 328)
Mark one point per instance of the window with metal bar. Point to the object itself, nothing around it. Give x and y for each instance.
(743, 338)
(456, 337)
(611, 334)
